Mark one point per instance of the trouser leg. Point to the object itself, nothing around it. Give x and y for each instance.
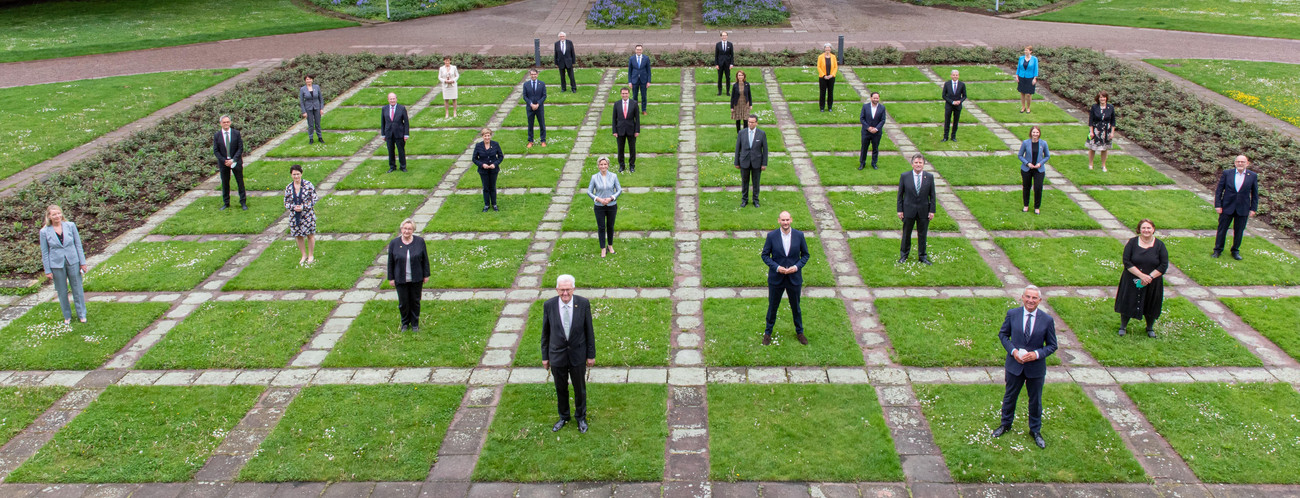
(561, 377)
(822, 85)
(238, 173)
(492, 185)
(1009, 397)
(392, 152)
(875, 147)
(403, 304)
(1026, 183)
(744, 184)
(78, 293)
(922, 229)
(622, 142)
(1035, 386)
(61, 288)
(484, 176)
(313, 122)
(1038, 189)
(774, 292)
(905, 246)
(1238, 231)
(756, 174)
(578, 377)
(224, 172)
(792, 292)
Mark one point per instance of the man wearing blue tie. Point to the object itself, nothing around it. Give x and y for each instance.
(535, 105)
(1236, 199)
(638, 75)
(785, 252)
(1029, 336)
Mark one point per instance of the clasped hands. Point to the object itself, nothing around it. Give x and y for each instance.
(604, 201)
(1024, 356)
(786, 270)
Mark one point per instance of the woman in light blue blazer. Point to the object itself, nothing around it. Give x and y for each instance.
(1033, 167)
(604, 190)
(1027, 77)
(62, 254)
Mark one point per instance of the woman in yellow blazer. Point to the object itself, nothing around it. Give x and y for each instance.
(826, 69)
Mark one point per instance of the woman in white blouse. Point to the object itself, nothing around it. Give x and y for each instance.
(448, 75)
(604, 191)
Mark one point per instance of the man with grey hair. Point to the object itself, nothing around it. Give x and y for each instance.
(568, 348)
(228, 147)
(1029, 336)
(954, 93)
(565, 58)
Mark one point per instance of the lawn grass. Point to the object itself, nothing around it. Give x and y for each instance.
(338, 265)
(811, 91)
(843, 170)
(1066, 261)
(364, 213)
(1267, 86)
(373, 174)
(734, 334)
(510, 77)
(349, 118)
(1275, 318)
(481, 95)
(722, 211)
(556, 115)
(1042, 112)
(19, 406)
(1265, 263)
(665, 114)
(1001, 211)
(657, 95)
(464, 213)
(723, 138)
(626, 441)
(1270, 19)
(515, 141)
(161, 266)
(70, 28)
(584, 95)
(531, 172)
(806, 113)
(636, 212)
(954, 332)
(452, 334)
(1065, 136)
(240, 334)
(658, 171)
(638, 263)
(1166, 208)
(378, 97)
(997, 91)
(1185, 337)
(719, 170)
(629, 333)
(973, 138)
(890, 74)
(867, 211)
(38, 340)
(204, 216)
(141, 434)
(651, 140)
(43, 121)
(707, 92)
(474, 264)
(977, 73)
(838, 139)
(338, 145)
(412, 77)
(956, 263)
(720, 114)
(911, 92)
(1227, 433)
(980, 170)
(738, 263)
(357, 433)
(838, 431)
(453, 142)
(274, 175)
(920, 112)
(1123, 170)
(1081, 445)
(472, 116)
(707, 76)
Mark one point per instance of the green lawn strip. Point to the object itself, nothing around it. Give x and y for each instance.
(722, 211)
(806, 113)
(482, 95)
(43, 121)
(708, 76)
(556, 115)
(1066, 261)
(868, 211)
(161, 266)
(474, 264)
(659, 76)
(350, 118)
(1165, 208)
(735, 333)
(665, 114)
(717, 114)
(1064, 136)
(364, 213)
(274, 175)
(656, 95)
(1267, 86)
(980, 170)
(473, 116)
(1123, 170)
(242, 334)
(838, 431)
(956, 332)
(889, 74)
(976, 73)
(452, 334)
(651, 140)
(584, 95)
(19, 406)
(956, 263)
(659, 171)
(141, 434)
(709, 92)
(838, 139)
(1227, 433)
(1081, 445)
(719, 170)
(376, 97)
(338, 265)
(1265, 263)
(811, 92)
(1041, 112)
(909, 92)
(636, 212)
(798, 74)
(442, 142)
(978, 92)
(625, 443)
(531, 172)
(508, 77)
(723, 138)
(414, 77)
(843, 170)
(515, 141)
(357, 433)
(921, 112)
(464, 213)
(39, 340)
(1273, 317)
(336, 145)
(204, 216)
(1185, 337)
(1001, 211)
(373, 174)
(973, 138)
(738, 263)
(1265, 19)
(638, 263)
(629, 333)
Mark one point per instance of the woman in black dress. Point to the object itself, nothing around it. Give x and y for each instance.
(1142, 285)
(488, 157)
(408, 270)
(1101, 128)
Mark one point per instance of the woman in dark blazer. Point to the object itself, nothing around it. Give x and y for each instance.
(741, 104)
(1033, 167)
(488, 156)
(1027, 78)
(1141, 291)
(408, 270)
(1101, 128)
(64, 260)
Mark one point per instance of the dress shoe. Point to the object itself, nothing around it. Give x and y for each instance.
(310, 141)
(404, 328)
(925, 260)
(954, 139)
(755, 202)
(223, 207)
(403, 169)
(1122, 331)
(1002, 429)
(821, 110)
(415, 329)
(767, 339)
(862, 167)
(582, 425)
(622, 169)
(495, 207)
(744, 202)
(945, 139)
(486, 208)
(802, 339)
(1038, 440)
(873, 166)
(245, 208)
(1235, 255)
(719, 94)
(1151, 333)
(632, 168)
(902, 258)
(1215, 254)
(559, 425)
(320, 139)
(575, 89)
(391, 169)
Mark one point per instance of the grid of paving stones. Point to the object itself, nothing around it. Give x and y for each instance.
(822, 180)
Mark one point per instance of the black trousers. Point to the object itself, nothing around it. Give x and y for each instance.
(951, 114)
(313, 122)
(577, 375)
(922, 224)
(1014, 383)
(1032, 178)
(408, 302)
(629, 140)
(791, 291)
(572, 81)
(605, 224)
(227, 171)
(643, 88)
(724, 72)
(1238, 229)
(749, 176)
(825, 93)
(489, 178)
(398, 144)
(870, 140)
(540, 116)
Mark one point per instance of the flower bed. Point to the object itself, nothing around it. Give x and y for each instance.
(402, 9)
(611, 14)
(745, 12)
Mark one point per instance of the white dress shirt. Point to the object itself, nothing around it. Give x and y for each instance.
(785, 240)
(1241, 178)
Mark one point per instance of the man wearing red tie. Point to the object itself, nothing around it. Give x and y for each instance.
(627, 126)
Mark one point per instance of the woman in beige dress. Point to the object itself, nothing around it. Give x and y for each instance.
(741, 100)
(448, 75)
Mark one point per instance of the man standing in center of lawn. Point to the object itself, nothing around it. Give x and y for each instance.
(1028, 335)
(638, 75)
(535, 105)
(395, 126)
(751, 158)
(568, 348)
(785, 252)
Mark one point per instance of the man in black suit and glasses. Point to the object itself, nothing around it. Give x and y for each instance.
(568, 348)
(916, 205)
(565, 58)
(724, 53)
(228, 147)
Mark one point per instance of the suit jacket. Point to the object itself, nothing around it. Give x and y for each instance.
(581, 344)
(397, 127)
(1026, 155)
(1042, 340)
(485, 153)
(724, 58)
(949, 96)
(751, 156)
(735, 94)
(312, 102)
(912, 204)
(236, 151)
(1239, 203)
(869, 121)
(774, 255)
(823, 70)
(566, 59)
(534, 93)
(60, 254)
(625, 126)
(638, 74)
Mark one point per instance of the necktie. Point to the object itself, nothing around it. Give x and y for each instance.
(227, 134)
(916, 179)
(751, 138)
(392, 112)
(1029, 328)
(638, 61)
(567, 316)
(562, 47)
(624, 109)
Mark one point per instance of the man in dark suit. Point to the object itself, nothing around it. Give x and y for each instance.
(916, 205)
(312, 104)
(724, 53)
(638, 75)
(954, 93)
(627, 126)
(872, 118)
(751, 158)
(535, 105)
(395, 126)
(565, 58)
(785, 252)
(228, 147)
(1236, 199)
(1029, 336)
(568, 348)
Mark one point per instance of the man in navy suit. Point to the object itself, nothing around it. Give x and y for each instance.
(395, 126)
(228, 147)
(872, 118)
(1029, 336)
(535, 105)
(785, 252)
(916, 205)
(638, 75)
(751, 158)
(1235, 199)
(568, 348)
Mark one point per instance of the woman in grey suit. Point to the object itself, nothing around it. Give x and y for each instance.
(312, 105)
(62, 254)
(604, 191)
